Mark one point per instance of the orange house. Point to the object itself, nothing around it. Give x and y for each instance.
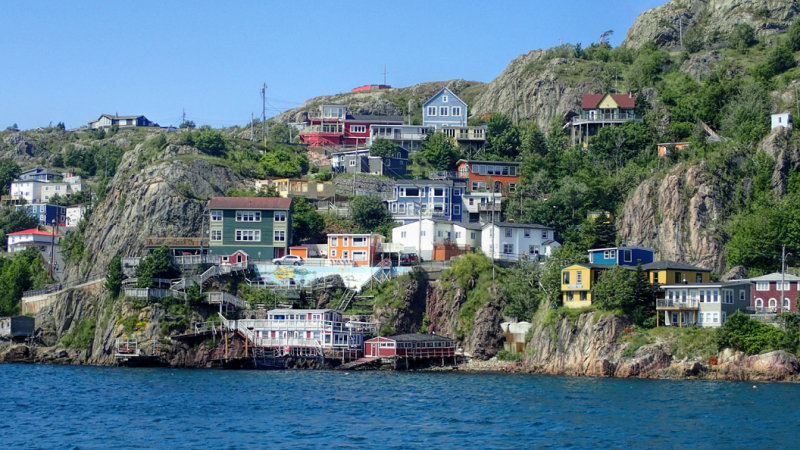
(361, 249)
(665, 148)
(489, 176)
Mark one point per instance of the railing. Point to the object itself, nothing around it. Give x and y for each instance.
(146, 292)
(124, 348)
(606, 117)
(224, 297)
(678, 304)
(49, 289)
(443, 175)
(489, 206)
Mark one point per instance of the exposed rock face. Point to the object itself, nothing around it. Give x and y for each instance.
(161, 199)
(404, 315)
(664, 24)
(677, 216)
(777, 366)
(533, 87)
(586, 347)
(787, 157)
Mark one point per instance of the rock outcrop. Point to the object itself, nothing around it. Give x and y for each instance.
(707, 20)
(677, 216)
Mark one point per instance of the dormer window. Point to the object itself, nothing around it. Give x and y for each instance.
(444, 99)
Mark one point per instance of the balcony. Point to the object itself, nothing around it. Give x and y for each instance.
(668, 304)
(443, 175)
(606, 118)
(325, 129)
(489, 207)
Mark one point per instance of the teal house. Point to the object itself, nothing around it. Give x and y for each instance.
(243, 228)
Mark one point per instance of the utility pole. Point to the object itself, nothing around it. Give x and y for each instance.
(410, 102)
(384, 74)
(680, 30)
(251, 128)
(183, 116)
(783, 270)
(264, 113)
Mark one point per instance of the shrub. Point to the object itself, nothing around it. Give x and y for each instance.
(505, 355)
(82, 335)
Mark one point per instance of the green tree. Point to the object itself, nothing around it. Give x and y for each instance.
(598, 232)
(779, 60)
(742, 37)
(746, 117)
(522, 290)
(440, 152)
(368, 212)
(569, 253)
(739, 332)
(114, 276)
(283, 162)
(12, 220)
(794, 35)
(187, 124)
(210, 141)
(383, 148)
(156, 265)
(533, 141)
(280, 133)
(307, 224)
(20, 272)
(502, 137)
(9, 170)
(625, 290)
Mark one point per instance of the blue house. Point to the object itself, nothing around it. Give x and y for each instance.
(621, 256)
(444, 109)
(413, 200)
(46, 214)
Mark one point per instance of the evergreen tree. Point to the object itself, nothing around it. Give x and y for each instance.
(114, 276)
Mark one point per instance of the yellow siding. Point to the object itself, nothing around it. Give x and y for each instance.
(668, 276)
(572, 290)
(608, 103)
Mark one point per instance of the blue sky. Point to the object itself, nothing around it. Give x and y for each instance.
(71, 61)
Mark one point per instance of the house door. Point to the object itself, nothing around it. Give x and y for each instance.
(675, 319)
(239, 258)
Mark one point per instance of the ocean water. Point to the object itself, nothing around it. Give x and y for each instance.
(89, 407)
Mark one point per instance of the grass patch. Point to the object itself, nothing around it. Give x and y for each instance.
(81, 336)
(686, 343)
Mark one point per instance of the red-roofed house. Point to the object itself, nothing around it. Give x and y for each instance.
(599, 110)
(250, 228)
(20, 240)
(333, 126)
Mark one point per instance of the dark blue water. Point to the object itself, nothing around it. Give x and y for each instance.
(55, 406)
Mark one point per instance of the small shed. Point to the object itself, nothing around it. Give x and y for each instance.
(781, 120)
(410, 346)
(16, 327)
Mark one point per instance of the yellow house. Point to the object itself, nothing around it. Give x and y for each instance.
(671, 272)
(577, 281)
(288, 187)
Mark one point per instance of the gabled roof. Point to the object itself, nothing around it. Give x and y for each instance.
(113, 116)
(621, 247)
(672, 265)
(590, 101)
(597, 266)
(35, 231)
(250, 203)
(438, 94)
(776, 276)
(517, 225)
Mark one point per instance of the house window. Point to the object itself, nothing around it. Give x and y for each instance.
(786, 305)
(438, 192)
(346, 254)
(456, 210)
(578, 277)
(422, 233)
(533, 249)
(678, 277)
(508, 249)
(216, 235)
(509, 233)
(280, 216)
(762, 286)
(333, 253)
(628, 256)
(458, 235)
(527, 233)
(335, 241)
(609, 254)
(358, 128)
(471, 201)
(698, 278)
(402, 234)
(345, 241)
(773, 303)
(443, 110)
(359, 241)
(352, 163)
(786, 285)
(512, 187)
(439, 234)
(759, 303)
(565, 277)
(741, 295)
(472, 235)
(431, 110)
(279, 236)
(359, 255)
(248, 216)
(544, 234)
(444, 99)
(716, 317)
(248, 235)
(456, 191)
(455, 111)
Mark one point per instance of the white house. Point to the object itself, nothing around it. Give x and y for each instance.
(20, 240)
(782, 120)
(74, 215)
(514, 241)
(107, 120)
(421, 236)
(34, 191)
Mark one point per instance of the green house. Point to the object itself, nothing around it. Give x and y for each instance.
(243, 228)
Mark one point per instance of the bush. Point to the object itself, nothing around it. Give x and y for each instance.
(82, 335)
(505, 355)
(750, 336)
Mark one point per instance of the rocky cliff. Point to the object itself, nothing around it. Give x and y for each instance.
(678, 216)
(706, 22)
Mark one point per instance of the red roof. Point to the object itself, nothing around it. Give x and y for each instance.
(627, 101)
(33, 231)
(250, 203)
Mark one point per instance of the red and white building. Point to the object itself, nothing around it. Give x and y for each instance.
(766, 292)
(20, 240)
(410, 346)
(332, 126)
(303, 331)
